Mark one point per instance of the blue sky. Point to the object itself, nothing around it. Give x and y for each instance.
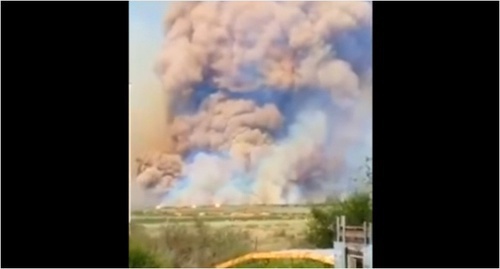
(145, 35)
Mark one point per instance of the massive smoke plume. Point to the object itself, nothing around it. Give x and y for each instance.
(269, 102)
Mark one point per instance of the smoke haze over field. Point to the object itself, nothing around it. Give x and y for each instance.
(265, 102)
(146, 99)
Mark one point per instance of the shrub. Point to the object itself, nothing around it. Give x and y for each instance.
(140, 253)
(357, 209)
(321, 227)
(140, 257)
(280, 233)
(195, 246)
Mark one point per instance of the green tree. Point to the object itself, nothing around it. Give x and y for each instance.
(357, 208)
(321, 227)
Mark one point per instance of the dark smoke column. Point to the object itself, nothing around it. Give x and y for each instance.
(264, 97)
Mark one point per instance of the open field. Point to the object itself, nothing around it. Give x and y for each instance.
(270, 227)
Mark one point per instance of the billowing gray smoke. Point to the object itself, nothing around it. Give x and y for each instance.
(269, 102)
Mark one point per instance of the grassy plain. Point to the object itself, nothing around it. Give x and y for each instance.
(269, 227)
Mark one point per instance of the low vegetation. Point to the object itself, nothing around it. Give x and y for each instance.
(141, 255)
(180, 246)
(220, 234)
(202, 245)
(147, 220)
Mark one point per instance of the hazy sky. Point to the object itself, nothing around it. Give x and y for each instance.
(146, 101)
(145, 35)
(145, 38)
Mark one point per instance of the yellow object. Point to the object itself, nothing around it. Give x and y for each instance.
(293, 254)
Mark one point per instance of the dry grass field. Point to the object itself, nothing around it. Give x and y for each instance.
(270, 227)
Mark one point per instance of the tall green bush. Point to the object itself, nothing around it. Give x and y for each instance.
(321, 226)
(357, 208)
